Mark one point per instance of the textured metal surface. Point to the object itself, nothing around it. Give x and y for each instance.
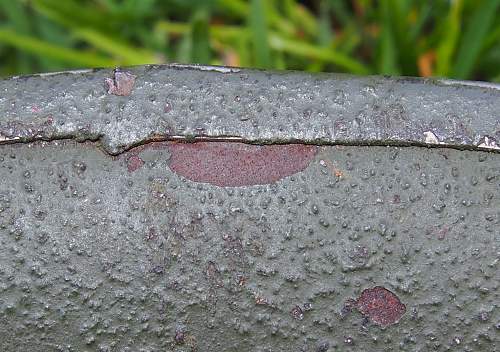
(94, 257)
(224, 246)
(125, 108)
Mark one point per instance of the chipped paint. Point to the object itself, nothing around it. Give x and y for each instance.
(8, 139)
(476, 84)
(431, 138)
(228, 164)
(122, 83)
(134, 163)
(133, 159)
(150, 260)
(73, 72)
(270, 108)
(220, 69)
(489, 143)
(381, 306)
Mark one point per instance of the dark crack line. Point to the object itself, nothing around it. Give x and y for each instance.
(237, 139)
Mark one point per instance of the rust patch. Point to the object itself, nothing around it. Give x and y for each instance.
(229, 164)
(134, 162)
(122, 83)
(380, 305)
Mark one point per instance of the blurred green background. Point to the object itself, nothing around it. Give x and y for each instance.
(455, 38)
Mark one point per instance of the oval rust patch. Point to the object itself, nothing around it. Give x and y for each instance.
(229, 164)
(380, 305)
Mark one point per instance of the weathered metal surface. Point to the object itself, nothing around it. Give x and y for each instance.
(224, 246)
(129, 107)
(94, 257)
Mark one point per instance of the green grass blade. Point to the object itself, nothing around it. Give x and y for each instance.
(341, 11)
(423, 16)
(349, 41)
(325, 32)
(242, 46)
(126, 54)
(259, 28)
(474, 37)
(200, 38)
(184, 49)
(17, 17)
(71, 14)
(305, 50)
(235, 7)
(51, 32)
(169, 27)
(404, 45)
(387, 53)
(449, 38)
(493, 38)
(15, 13)
(41, 48)
(305, 20)
(488, 66)
(221, 32)
(290, 46)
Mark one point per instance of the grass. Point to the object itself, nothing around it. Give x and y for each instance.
(440, 38)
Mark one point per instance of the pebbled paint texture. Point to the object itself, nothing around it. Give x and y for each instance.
(95, 258)
(123, 108)
(229, 164)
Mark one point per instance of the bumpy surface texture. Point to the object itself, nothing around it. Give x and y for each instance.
(123, 108)
(366, 249)
(132, 218)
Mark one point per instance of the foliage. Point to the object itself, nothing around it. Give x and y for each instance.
(456, 38)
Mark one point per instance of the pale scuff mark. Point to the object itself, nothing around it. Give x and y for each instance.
(8, 139)
(431, 138)
(489, 143)
(122, 83)
(220, 69)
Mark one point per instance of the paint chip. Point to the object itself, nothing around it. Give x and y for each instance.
(380, 305)
(229, 164)
(489, 143)
(134, 163)
(122, 83)
(4, 138)
(220, 69)
(431, 138)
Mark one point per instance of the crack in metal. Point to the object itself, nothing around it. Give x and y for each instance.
(237, 139)
(284, 108)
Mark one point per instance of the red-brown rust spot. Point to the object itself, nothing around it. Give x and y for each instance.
(134, 162)
(228, 164)
(380, 305)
